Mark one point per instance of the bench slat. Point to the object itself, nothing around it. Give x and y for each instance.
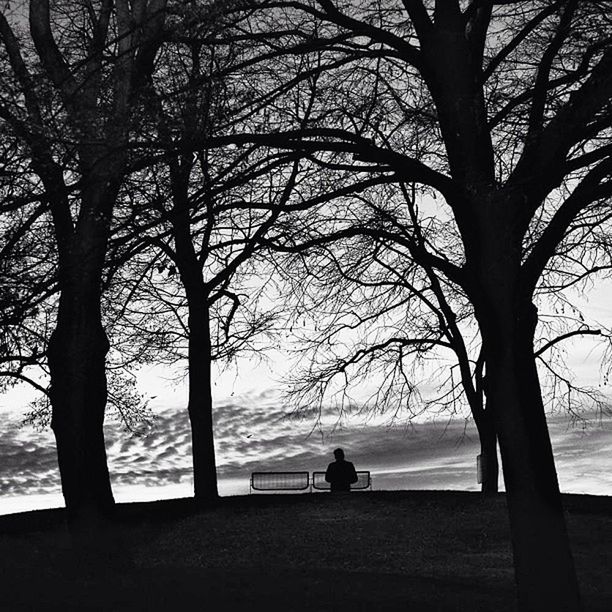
(280, 481)
(300, 481)
(364, 481)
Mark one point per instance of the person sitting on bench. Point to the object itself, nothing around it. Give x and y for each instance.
(340, 474)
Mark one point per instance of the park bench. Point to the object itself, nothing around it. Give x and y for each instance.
(300, 481)
(364, 481)
(280, 481)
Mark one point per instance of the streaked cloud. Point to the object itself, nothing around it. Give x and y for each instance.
(255, 432)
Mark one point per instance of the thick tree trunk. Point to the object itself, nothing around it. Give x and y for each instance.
(77, 353)
(544, 567)
(76, 357)
(201, 405)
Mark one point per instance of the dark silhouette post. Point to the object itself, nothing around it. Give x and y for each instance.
(340, 473)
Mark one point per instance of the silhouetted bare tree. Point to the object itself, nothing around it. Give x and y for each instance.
(207, 212)
(376, 316)
(76, 76)
(516, 99)
(203, 212)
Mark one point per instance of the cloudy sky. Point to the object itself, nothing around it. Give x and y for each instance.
(254, 432)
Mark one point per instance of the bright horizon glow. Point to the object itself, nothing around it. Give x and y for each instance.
(253, 431)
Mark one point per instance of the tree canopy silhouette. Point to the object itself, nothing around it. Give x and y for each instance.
(502, 109)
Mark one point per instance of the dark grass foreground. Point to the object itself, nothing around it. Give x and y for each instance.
(401, 550)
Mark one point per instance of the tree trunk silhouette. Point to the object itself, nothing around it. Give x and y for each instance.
(201, 404)
(200, 349)
(76, 355)
(76, 358)
(544, 567)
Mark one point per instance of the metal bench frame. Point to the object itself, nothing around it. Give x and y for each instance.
(308, 483)
(302, 486)
(322, 485)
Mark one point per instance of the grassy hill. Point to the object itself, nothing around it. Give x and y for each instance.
(396, 550)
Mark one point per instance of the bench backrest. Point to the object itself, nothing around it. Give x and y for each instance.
(364, 481)
(280, 481)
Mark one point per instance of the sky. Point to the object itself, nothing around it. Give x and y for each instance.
(256, 431)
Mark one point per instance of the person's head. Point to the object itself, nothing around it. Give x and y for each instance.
(339, 454)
